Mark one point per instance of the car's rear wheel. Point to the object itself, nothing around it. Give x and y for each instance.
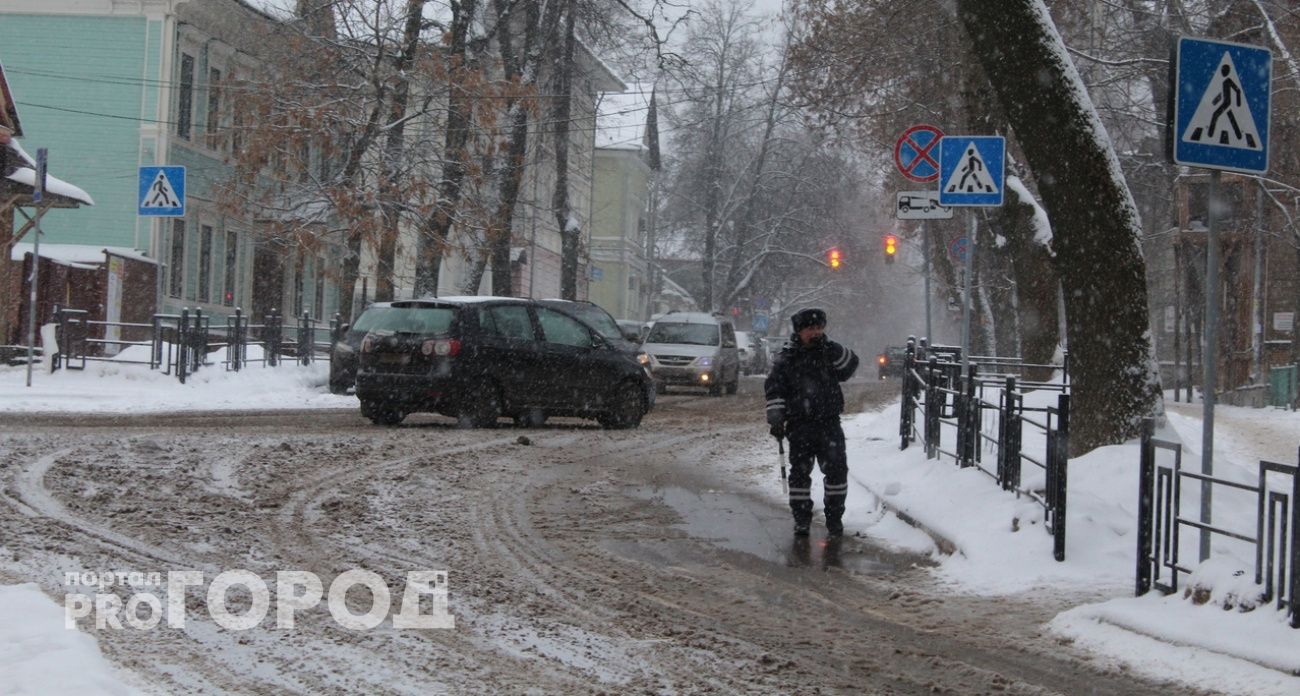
(626, 408)
(381, 413)
(481, 405)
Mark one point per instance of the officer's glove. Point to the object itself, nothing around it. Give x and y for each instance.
(778, 431)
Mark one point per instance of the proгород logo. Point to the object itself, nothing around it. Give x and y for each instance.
(152, 598)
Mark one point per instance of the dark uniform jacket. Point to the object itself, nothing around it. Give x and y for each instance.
(804, 384)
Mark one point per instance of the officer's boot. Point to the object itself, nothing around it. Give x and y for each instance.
(802, 517)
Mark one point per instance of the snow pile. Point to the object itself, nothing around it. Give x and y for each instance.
(39, 656)
(1002, 548)
(118, 386)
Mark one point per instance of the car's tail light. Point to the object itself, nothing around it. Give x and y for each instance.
(441, 347)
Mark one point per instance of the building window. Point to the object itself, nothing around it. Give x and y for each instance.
(232, 262)
(214, 109)
(176, 272)
(205, 263)
(185, 103)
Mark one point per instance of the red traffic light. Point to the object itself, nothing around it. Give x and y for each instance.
(833, 257)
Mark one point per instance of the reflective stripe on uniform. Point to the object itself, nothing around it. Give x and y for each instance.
(800, 494)
(840, 488)
(775, 403)
(845, 357)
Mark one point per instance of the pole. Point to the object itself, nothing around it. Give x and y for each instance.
(1209, 358)
(925, 237)
(36, 263)
(965, 300)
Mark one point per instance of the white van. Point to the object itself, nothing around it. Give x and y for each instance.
(693, 349)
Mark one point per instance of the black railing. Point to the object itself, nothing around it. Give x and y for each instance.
(1160, 521)
(179, 344)
(949, 401)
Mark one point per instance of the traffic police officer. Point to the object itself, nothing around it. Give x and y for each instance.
(804, 402)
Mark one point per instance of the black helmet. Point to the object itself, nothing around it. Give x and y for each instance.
(808, 317)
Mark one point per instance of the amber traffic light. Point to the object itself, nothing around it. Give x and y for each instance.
(891, 248)
(834, 257)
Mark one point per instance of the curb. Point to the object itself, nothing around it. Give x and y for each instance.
(945, 545)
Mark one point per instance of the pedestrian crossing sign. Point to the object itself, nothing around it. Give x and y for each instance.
(162, 191)
(1221, 105)
(971, 170)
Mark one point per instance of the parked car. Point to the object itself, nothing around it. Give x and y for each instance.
(632, 329)
(693, 349)
(745, 351)
(891, 363)
(343, 358)
(481, 358)
(772, 345)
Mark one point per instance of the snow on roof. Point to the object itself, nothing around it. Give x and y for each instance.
(621, 119)
(26, 175)
(80, 255)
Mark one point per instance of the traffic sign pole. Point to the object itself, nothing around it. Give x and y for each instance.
(1220, 120)
(1209, 360)
(966, 292)
(925, 236)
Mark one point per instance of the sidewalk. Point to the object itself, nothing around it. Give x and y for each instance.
(999, 547)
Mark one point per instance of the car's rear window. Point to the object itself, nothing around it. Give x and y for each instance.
(420, 320)
(690, 334)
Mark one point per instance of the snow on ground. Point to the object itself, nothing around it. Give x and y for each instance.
(1002, 547)
(39, 656)
(998, 540)
(121, 387)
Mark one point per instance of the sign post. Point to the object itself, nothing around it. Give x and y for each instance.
(1220, 121)
(912, 156)
(971, 174)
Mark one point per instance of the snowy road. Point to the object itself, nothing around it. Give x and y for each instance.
(580, 560)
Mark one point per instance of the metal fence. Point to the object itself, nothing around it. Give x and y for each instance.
(1160, 521)
(180, 344)
(987, 412)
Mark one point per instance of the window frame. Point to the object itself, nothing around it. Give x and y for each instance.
(203, 286)
(176, 272)
(185, 96)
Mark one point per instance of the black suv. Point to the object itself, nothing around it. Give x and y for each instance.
(481, 358)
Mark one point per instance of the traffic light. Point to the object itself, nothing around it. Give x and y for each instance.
(833, 258)
(891, 248)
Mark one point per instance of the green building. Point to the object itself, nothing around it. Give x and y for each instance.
(108, 87)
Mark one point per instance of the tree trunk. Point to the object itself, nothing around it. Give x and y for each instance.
(394, 153)
(1036, 285)
(570, 235)
(432, 244)
(1096, 231)
(512, 176)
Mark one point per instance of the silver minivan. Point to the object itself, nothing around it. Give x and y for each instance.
(693, 349)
